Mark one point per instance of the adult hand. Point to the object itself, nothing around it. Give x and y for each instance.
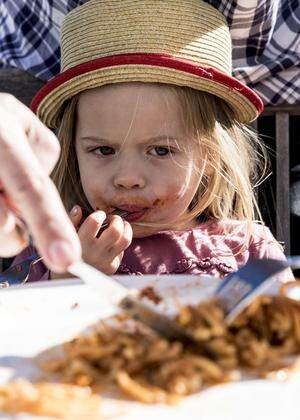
(28, 153)
(103, 251)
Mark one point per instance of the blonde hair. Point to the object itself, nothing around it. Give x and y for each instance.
(235, 158)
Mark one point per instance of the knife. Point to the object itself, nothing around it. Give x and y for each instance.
(126, 299)
(234, 294)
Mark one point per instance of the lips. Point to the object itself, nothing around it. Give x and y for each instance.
(134, 212)
(135, 216)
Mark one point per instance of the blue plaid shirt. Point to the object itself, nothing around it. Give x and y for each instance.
(265, 34)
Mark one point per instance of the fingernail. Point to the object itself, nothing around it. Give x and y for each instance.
(62, 254)
(74, 211)
(101, 212)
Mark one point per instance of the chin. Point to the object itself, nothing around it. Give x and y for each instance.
(143, 231)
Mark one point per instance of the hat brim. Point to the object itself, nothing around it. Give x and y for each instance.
(147, 68)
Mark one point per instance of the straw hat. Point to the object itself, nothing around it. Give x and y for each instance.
(179, 42)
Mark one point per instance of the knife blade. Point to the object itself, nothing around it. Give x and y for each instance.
(234, 294)
(127, 299)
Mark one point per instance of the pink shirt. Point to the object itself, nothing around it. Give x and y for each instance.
(214, 248)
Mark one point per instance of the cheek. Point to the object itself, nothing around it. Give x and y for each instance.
(89, 184)
(92, 180)
(179, 187)
(180, 180)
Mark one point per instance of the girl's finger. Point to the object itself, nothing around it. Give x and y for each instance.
(128, 231)
(113, 233)
(125, 239)
(123, 243)
(76, 216)
(91, 226)
(114, 264)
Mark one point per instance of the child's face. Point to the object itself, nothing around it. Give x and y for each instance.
(133, 153)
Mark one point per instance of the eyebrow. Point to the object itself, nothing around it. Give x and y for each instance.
(100, 140)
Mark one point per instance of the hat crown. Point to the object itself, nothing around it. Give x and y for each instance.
(186, 29)
(176, 42)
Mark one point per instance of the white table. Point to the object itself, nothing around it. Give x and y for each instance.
(36, 317)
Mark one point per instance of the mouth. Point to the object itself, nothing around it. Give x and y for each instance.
(131, 213)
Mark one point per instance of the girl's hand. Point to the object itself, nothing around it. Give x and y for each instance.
(106, 251)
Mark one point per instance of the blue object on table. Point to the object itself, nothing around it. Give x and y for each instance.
(239, 288)
(18, 273)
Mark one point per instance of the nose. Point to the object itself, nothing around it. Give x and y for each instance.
(129, 177)
(129, 182)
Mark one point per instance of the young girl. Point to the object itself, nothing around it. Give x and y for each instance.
(152, 124)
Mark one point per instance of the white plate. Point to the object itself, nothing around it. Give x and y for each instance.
(39, 316)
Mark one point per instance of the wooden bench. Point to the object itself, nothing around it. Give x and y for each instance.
(24, 86)
(282, 116)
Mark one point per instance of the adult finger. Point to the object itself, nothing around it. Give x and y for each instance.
(43, 142)
(35, 196)
(7, 219)
(44, 145)
(11, 238)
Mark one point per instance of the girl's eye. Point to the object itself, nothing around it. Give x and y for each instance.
(160, 151)
(104, 151)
